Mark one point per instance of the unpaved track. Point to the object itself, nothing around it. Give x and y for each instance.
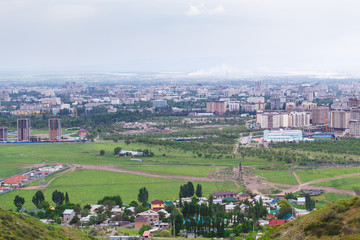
(307, 185)
(112, 168)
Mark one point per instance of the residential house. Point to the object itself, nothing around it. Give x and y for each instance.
(82, 132)
(141, 221)
(217, 201)
(221, 195)
(243, 196)
(300, 201)
(68, 215)
(270, 216)
(2, 189)
(15, 181)
(275, 222)
(230, 207)
(146, 235)
(151, 215)
(157, 205)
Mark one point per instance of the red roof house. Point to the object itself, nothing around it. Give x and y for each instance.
(275, 222)
(270, 216)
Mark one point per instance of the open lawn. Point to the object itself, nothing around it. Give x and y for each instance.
(13, 158)
(88, 186)
(198, 171)
(310, 175)
(349, 183)
(277, 176)
(328, 198)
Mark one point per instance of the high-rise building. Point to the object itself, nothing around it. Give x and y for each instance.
(354, 102)
(340, 119)
(3, 134)
(234, 106)
(320, 115)
(354, 127)
(257, 86)
(275, 103)
(218, 107)
(54, 129)
(23, 128)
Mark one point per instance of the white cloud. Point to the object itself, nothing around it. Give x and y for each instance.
(219, 9)
(202, 9)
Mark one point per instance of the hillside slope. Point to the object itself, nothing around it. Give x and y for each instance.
(20, 226)
(340, 220)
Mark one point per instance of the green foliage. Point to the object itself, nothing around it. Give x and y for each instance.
(102, 152)
(22, 226)
(187, 190)
(309, 203)
(285, 208)
(143, 229)
(67, 200)
(290, 195)
(19, 202)
(117, 150)
(198, 190)
(117, 199)
(38, 198)
(58, 197)
(143, 196)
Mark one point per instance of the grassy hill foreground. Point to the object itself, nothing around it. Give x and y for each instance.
(340, 220)
(22, 226)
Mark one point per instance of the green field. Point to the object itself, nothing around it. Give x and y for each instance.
(198, 171)
(277, 176)
(310, 175)
(88, 186)
(349, 183)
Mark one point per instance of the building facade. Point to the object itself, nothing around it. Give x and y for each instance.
(282, 135)
(218, 107)
(320, 115)
(54, 129)
(23, 129)
(3, 134)
(340, 119)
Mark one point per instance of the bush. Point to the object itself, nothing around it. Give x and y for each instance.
(102, 152)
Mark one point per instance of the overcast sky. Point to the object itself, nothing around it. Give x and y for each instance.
(180, 35)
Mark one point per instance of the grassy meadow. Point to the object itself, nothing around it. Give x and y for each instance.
(88, 186)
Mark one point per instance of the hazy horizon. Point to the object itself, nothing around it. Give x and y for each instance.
(197, 37)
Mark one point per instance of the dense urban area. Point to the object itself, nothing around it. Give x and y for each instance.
(246, 159)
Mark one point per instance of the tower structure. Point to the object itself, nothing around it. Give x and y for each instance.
(23, 129)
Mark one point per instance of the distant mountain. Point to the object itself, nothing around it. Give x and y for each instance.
(340, 220)
(22, 226)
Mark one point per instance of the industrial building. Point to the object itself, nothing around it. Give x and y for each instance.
(3, 134)
(283, 135)
(54, 129)
(23, 130)
(217, 107)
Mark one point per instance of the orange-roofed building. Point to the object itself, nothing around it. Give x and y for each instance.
(146, 235)
(15, 181)
(157, 205)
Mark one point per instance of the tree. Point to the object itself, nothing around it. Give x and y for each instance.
(117, 199)
(44, 205)
(285, 208)
(58, 197)
(109, 204)
(102, 152)
(143, 195)
(117, 150)
(190, 189)
(19, 202)
(143, 229)
(309, 203)
(198, 190)
(38, 198)
(75, 220)
(67, 200)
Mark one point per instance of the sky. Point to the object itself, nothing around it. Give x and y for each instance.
(195, 36)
